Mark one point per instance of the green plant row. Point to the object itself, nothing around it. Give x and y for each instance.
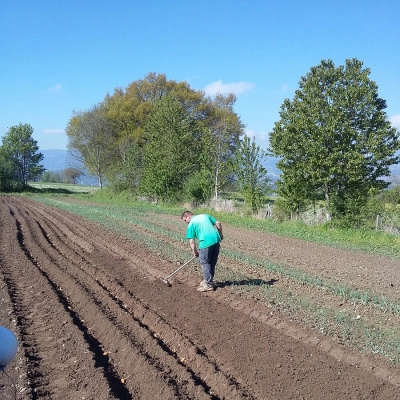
(328, 320)
(367, 241)
(344, 292)
(339, 324)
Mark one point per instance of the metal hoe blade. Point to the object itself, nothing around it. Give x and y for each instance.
(165, 280)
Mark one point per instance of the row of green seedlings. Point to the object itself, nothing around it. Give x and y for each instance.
(340, 324)
(327, 320)
(346, 293)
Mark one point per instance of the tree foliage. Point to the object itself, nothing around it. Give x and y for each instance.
(226, 130)
(92, 141)
(251, 175)
(334, 140)
(122, 152)
(7, 168)
(169, 152)
(391, 196)
(20, 153)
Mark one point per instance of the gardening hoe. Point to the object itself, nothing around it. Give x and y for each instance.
(169, 276)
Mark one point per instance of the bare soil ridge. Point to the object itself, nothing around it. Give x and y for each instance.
(94, 321)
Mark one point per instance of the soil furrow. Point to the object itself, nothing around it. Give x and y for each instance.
(213, 372)
(88, 311)
(126, 330)
(40, 327)
(121, 252)
(145, 313)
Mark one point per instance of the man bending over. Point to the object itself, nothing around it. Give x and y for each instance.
(208, 231)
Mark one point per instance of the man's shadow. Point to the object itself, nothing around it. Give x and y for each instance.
(247, 282)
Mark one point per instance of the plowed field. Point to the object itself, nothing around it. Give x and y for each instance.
(94, 320)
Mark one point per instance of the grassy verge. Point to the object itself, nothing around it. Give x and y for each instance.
(62, 187)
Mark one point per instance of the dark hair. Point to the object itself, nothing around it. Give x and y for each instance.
(186, 213)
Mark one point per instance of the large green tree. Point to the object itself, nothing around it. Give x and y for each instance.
(127, 113)
(251, 175)
(21, 151)
(334, 140)
(130, 109)
(170, 149)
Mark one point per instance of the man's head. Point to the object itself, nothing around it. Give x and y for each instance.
(187, 216)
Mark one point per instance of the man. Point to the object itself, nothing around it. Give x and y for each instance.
(208, 231)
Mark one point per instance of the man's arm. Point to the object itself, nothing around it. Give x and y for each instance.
(193, 247)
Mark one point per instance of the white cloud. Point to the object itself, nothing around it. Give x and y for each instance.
(225, 88)
(395, 121)
(55, 89)
(54, 131)
(262, 138)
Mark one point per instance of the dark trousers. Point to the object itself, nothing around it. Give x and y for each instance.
(208, 258)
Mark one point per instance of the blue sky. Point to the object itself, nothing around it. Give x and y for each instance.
(57, 56)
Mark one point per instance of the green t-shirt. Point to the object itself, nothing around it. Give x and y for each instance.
(201, 227)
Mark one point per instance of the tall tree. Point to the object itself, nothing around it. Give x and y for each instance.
(22, 151)
(170, 149)
(251, 175)
(128, 112)
(334, 139)
(92, 141)
(226, 129)
(52, 177)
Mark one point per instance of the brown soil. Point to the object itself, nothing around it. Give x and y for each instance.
(94, 320)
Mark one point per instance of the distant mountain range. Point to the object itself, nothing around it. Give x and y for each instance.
(55, 160)
(58, 160)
